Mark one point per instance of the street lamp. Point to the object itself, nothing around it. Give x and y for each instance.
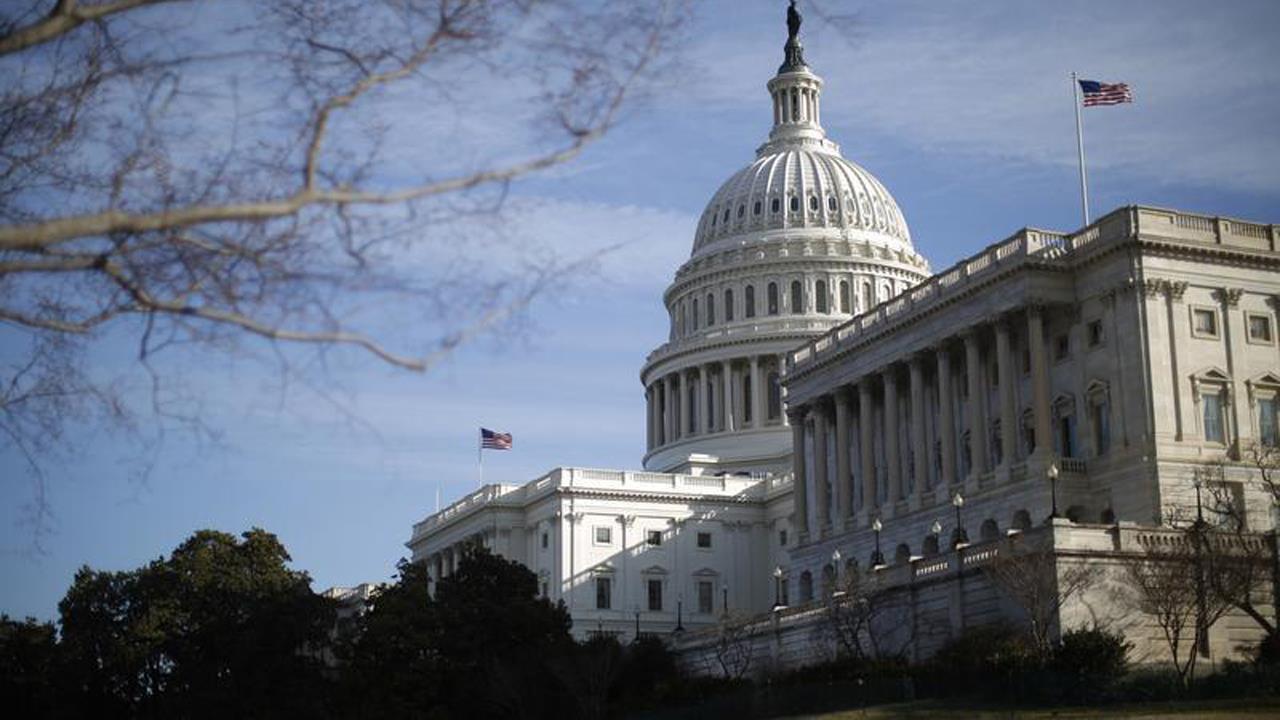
(962, 538)
(836, 591)
(725, 592)
(680, 613)
(777, 587)
(637, 623)
(877, 558)
(936, 529)
(1053, 490)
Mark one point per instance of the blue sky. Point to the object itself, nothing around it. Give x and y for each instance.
(962, 110)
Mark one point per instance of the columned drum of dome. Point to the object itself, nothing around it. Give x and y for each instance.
(789, 247)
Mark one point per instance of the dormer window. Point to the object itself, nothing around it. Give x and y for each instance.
(775, 205)
(795, 204)
(755, 209)
(813, 203)
(832, 205)
(741, 210)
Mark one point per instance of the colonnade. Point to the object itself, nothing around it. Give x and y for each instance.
(902, 409)
(720, 396)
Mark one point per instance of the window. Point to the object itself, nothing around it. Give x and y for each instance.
(1204, 322)
(775, 205)
(1061, 347)
(726, 215)
(866, 297)
(775, 396)
(1028, 433)
(755, 209)
(1064, 431)
(797, 297)
(820, 291)
(832, 205)
(1259, 328)
(773, 298)
(655, 595)
(691, 395)
(1100, 419)
(695, 313)
(794, 205)
(997, 444)
(545, 540)
(1269, 421)
(813, 203)
(706, 595)
(604, 535)
(845, 305)
(747, 398)
(1095, 333)
(786, 590)
(711, 403)
(711, 309)
(782, 538)
(728, 305)
(1214, 430)
(749, 297)
(742, 209)
(604, 593)
(704, 540)
(653, 538)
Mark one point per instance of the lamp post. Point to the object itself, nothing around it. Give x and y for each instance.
(777, 587)
(836, 590)
(936, 529)
(680, 613)
(962, 538)
(637, 623)
(1053, 490)
(725, 593)
(877, 558)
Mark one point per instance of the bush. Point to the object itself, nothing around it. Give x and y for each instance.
(1089, 664)
(1268, 651)
(992, 662)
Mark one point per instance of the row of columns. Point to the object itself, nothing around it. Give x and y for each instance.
(716, 406)
(897, 463)
(792, 105)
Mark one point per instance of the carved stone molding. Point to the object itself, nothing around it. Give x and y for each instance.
(1152, 288)
(1228, 296)
(1175, 289)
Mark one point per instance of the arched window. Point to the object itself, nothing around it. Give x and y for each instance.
(742, 209)
(711, 309)
(820, 295)
(795, 204)
(989, 530)
(773, 298)
(931, 546)
(845, 305)
(806, 587)
(750, 297)
(775, 396)
(866, 298)
(755, 209)
(728, 305)
(813, 203)
(902, 555)
(747, 398)
(726, 215)
(775, 205)
(831, 203)
(1022, 520)
(713, 218)
(1064, 427)
(797, 298)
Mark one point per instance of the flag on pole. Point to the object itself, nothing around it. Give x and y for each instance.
(490, 440)
(1099, 93)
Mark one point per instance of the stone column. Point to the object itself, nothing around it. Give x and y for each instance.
(978, 432)
(704, 402)
(892, 454)
(866, 446)
(821, 490)
(663, 412)
(1233, 331)
(800, 485)
(727, 422)
(1008, 414)
(947, 418)
(1039, 381)
(682, 400)
(843, 504)
(758, 407)
(919, 449)
(782, 393)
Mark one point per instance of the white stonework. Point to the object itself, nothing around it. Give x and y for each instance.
(601, 537)
(809, 341)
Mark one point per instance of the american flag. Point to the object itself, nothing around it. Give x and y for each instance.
(490, 440)
(1097, 93)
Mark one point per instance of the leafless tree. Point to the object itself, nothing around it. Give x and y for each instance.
(1039, 583)
(197, 174)
(734, 641)
(867, 619)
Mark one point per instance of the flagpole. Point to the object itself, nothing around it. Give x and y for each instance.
(480, 456)
(1084, 185)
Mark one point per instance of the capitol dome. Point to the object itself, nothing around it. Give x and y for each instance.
(791, 246)
(798, 187)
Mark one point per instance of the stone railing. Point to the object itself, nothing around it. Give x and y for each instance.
(729, 486)
(744, 329)
(1041, 246)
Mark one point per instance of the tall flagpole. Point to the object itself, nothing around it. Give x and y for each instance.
(1084, 185)
(480, 455)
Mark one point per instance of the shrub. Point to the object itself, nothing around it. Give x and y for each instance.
(993, 662)
(1089, 663)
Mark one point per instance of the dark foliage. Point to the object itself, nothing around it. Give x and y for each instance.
(1088, 665)
(28, 656)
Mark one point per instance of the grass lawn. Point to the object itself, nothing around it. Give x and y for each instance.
(1245, 709)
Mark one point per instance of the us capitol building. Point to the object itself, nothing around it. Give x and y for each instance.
(824, 404)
